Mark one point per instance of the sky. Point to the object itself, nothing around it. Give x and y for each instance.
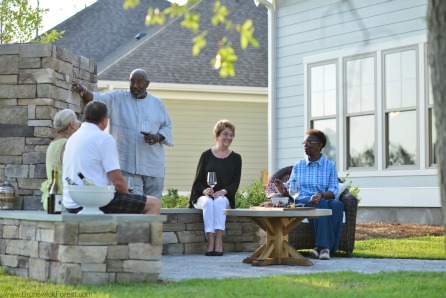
(59, 10)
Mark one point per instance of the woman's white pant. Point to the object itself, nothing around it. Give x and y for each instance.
(213, 216)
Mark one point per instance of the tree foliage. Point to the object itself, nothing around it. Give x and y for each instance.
(225, 57)
(19, 23)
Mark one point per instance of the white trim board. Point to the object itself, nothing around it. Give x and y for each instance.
(400, 197)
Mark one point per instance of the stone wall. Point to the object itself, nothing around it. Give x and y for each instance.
(183, 233)
(81, 249)
(34, 86)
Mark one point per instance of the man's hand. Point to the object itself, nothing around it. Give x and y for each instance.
(281, 187)
(151, 138)
(82, 90)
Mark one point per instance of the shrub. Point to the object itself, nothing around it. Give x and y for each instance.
(173, 200)
(253, 195)
(354, 190)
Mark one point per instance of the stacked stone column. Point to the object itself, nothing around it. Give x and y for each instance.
(34, 86)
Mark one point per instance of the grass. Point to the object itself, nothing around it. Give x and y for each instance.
(429, 248)
(336, 284)
(340, 284)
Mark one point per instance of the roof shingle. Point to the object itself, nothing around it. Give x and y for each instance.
(105, 32)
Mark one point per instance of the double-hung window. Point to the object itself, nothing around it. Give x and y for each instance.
(400, 95)
(359, 93)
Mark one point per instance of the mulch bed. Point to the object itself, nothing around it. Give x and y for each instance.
(368, 230)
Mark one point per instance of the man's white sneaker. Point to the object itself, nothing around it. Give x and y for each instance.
(324, 254)
(314, 253)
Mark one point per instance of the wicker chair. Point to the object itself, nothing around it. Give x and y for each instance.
(303, 237)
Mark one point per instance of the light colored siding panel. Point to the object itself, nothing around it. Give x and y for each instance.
(348, 39)
(290, 81)
(342, 13)
(193, 123)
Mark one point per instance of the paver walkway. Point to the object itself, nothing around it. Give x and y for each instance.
(180, 267)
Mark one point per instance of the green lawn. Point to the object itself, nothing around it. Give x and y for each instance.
(339, 284)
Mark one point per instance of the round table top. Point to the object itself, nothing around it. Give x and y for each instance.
(277, 212)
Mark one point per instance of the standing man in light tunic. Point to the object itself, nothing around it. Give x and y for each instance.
(141, 156)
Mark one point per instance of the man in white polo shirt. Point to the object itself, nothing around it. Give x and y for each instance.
(93, 152)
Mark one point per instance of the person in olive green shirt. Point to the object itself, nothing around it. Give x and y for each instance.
(65, 124)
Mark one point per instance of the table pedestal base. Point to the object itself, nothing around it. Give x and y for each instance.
(277, 250)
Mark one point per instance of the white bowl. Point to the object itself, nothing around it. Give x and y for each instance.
(91, 197)
(278, 199)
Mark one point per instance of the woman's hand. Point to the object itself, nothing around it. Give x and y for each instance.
(208, 192)
(315, 198)
(220, 193)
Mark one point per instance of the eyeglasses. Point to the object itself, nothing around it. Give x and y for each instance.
(140, 84)
(309, 143)
(226, 134)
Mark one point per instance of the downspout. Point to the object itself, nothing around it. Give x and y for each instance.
(271, 6)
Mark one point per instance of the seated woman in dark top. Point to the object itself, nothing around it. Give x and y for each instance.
(228, 166)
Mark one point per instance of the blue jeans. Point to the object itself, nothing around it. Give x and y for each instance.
(327, 229)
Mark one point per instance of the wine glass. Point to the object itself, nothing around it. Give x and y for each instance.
(145, 128)
(212, 179)
(130, 185)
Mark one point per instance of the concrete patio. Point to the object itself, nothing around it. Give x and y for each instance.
(182, 267)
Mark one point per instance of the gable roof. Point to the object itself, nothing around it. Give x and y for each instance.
(105, 33)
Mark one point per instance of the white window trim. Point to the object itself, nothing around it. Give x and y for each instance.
(419, 42)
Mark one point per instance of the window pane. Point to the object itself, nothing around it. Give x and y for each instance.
(330, 103)
(429, 86)
(368, 70)
(408, 65)
(409, 93)
(353, 69)
(402, 138)
(393, 67)
(328, 127)
(368, 98)
(361, 141)
(330, 76)
(393, 95)
(317, 104)
(317, 84)
(353, 102)
(433, 138)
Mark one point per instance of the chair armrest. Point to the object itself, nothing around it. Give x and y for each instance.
(350, 201)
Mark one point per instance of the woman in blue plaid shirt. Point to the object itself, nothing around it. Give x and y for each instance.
(315, 178)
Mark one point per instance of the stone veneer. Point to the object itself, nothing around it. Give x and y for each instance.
(81, 249)
(183, 233)
(34, 85)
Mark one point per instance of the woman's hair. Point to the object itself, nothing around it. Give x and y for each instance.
(222, 125)
(318, 134)
(95, 112)
(63, 119)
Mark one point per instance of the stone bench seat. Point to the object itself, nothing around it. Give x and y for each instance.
(183, 233)
(81, 249)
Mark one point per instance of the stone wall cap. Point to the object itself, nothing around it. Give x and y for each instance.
(67, 217)
(180, 210)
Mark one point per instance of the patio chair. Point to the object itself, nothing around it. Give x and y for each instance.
(303, 237)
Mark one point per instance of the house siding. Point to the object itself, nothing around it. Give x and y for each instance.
(193, 123)
(309, 28)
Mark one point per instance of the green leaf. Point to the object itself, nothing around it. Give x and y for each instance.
(130, 4)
